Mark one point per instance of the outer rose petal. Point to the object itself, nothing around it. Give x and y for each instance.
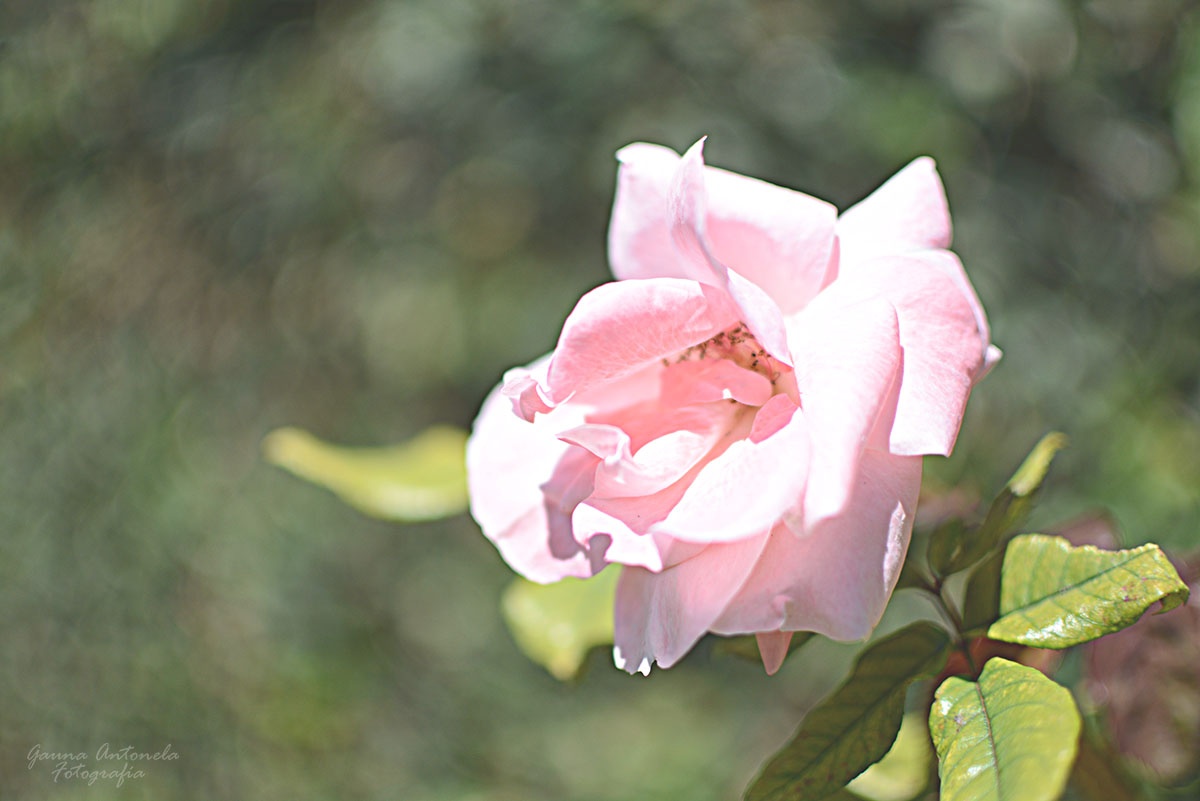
(627, 547)
(639, 234)
(777, 238)
(509, 463)
(908, 212)
(689, 202)
(836, 578)
(659, 616)
(619, 328)
(945, 339)
(848, 360)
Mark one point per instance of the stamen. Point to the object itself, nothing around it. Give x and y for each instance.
(736, 344)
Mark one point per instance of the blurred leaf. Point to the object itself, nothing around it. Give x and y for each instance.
(903, 773)
(953, 548)
(746, 647)
(1147, 681)
(422, 479)
(557, 624)
(1011, 735)
(1054, 596)
(855, 726)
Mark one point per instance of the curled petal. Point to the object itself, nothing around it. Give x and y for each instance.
(680, 439)
(620, 328)
(523, 387)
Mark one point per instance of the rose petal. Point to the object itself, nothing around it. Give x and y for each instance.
(620, 328)
(836, 578)
(658, 617)
(654, 552)
(945, 338)
(707, 380)
(749, 486)
(779, 239)
(639, 234)
(519, 479)
(637, 461)
(848, 359)
(909, 212)
(643, 512)
(773, 648)
(689, 201)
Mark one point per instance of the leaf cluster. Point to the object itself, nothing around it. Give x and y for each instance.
(1000, 729)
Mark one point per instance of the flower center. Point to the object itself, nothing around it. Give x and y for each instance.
(735, 344)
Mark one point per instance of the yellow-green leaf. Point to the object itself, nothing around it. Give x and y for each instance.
(853, 728)
(1053, 595)
(1011, 736)
(904, 771)
(422, 479)
(557, 624)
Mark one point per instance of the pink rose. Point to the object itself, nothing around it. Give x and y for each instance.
(738, 420)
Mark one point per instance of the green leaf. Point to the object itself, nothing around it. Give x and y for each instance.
(557, 624)
(1011, 736)
(952, 549)
(855, 726)
(422, 479)
(903, 773)
(949, 545)
(981, 599)
(1053, 595)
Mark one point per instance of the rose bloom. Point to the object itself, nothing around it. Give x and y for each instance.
(737, 422)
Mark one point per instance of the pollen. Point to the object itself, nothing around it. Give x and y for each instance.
(737, 345)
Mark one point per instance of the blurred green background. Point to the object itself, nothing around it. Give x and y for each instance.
(222, 216)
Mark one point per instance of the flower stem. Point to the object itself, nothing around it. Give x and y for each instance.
(946, 608)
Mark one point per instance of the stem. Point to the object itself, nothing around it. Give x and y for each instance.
(950, 614)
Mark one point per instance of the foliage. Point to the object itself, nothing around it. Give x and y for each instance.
(1007, 731)
(1056, 596)
(856, 726)
(1009, 735)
